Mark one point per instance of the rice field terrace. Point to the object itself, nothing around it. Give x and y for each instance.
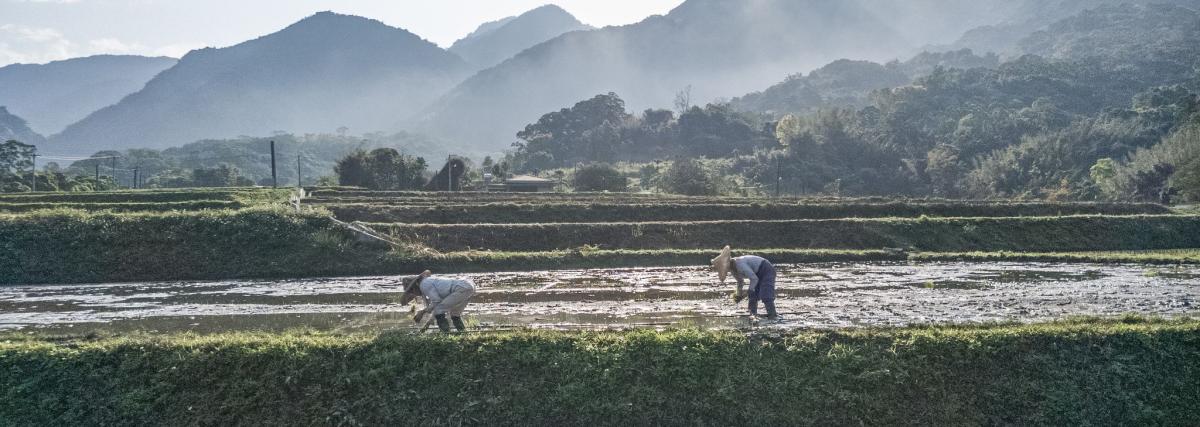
(227, 259)
(242, 309)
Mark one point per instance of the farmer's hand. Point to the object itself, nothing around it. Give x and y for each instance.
(420, 315)
(738, 296)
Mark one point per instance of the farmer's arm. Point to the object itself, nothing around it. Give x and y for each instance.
(744, 270)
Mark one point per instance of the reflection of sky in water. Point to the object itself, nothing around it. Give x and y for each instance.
(811, 295)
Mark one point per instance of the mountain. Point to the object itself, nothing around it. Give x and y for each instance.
(1022, 18)
(13, 127)
(720, 48)
(54, 95)
(321, 73)
(497, 41)
(848, 84)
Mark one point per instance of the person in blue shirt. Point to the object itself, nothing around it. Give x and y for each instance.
(756, 270)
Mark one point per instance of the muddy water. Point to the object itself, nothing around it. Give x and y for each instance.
(810, 296)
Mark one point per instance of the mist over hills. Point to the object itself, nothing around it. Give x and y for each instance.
(1019, 19)
(53, 95)
(321, 73)
(497, 41)
(13, 127)
(330, 71)
(720, 48)
(848, 84)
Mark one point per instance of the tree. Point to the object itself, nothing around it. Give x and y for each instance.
(1104, 176)
(589, 131)
(381, 169)
(352, 170)
(689, 177)
(599, 177)
(718, 131)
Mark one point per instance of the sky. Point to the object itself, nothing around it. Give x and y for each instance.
(39, 31)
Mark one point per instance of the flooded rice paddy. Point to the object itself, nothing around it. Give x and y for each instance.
(810, 296)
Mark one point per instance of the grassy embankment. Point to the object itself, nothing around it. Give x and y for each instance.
(1113, 372)
(612, 211)
(94, 242)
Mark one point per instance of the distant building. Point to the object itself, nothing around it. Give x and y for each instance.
(523, 184)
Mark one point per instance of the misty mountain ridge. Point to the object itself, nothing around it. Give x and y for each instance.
(321, 73)
(497, 41)
(330, 70)
(53, 95)
(721, 48)
(1025, 17)
(1151, 43)
(13, 127)
(848, 84)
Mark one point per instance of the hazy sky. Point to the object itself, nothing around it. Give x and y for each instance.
(37, 31)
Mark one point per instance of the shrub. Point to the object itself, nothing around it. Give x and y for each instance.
(599, 177)
(689, 177)
(1114, 372)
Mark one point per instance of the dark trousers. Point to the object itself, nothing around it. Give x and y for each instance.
(768, 303)
(765, 291)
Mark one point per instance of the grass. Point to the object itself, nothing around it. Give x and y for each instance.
(151, 196)
(1166, 256)
(70, 246)
(1127, 371)
(1029, 234)
(190, 205)
(638, 210)
(171, 235)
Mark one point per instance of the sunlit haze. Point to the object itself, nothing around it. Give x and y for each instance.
(37, 31)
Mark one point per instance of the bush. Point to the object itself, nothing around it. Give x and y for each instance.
(689, 177)
(1116, 372)
(599, 177)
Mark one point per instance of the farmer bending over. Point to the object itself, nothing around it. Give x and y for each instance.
(442, 296)
(755, 269)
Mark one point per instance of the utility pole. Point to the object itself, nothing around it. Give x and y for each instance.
(274, 180)
(135, 177)
(114, 173)
(299, 177)
(97, 173)
(34, 173)
(778, 174)
(449, 172)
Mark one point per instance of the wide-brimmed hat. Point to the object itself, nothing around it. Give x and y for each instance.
(409, 284)
(721, 263)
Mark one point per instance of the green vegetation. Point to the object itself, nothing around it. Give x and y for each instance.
(247, 195)
(599, 177)
(1069, 233)
(381, 169)
(215, 234)
(1127, 372)
(606, 210)
(1167, 256)
(65, 246)
(1115, 86)
(123, 207)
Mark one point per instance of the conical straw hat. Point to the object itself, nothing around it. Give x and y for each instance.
(721, 263)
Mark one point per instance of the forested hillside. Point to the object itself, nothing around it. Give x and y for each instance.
(1059, 122)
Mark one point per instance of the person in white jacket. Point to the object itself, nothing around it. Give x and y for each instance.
(443, 296)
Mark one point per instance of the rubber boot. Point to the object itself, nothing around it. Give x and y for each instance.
(458, 324)
(443, 324)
